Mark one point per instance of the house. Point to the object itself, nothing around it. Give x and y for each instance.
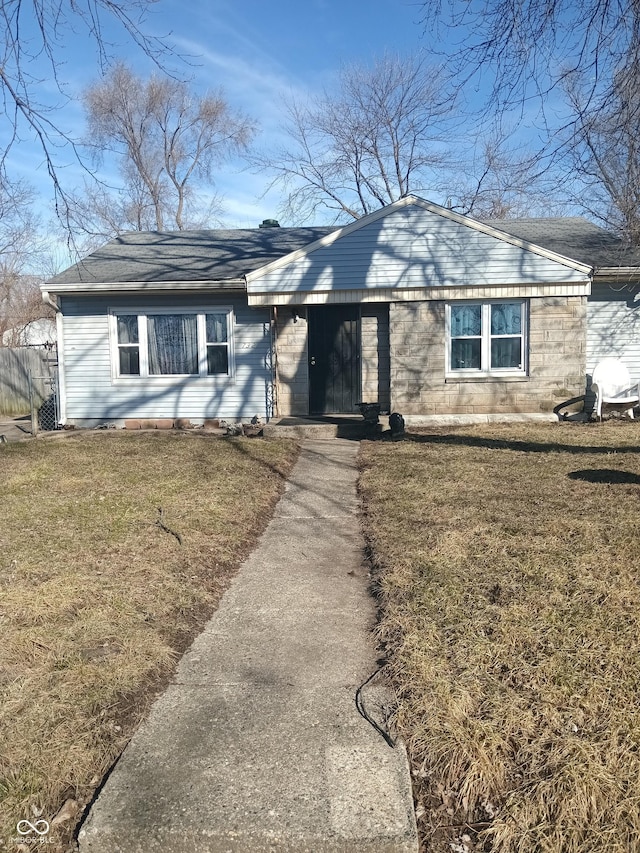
(35, 333)
(428, 312)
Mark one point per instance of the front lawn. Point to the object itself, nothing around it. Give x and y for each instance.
(114, 548)
(507, 565)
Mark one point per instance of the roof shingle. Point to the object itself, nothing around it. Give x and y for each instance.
(226, 256)
(217, 255)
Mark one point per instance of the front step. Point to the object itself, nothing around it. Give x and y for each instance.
(322, 428)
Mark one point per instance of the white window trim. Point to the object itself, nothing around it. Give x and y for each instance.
(170, 378)
(485, 344)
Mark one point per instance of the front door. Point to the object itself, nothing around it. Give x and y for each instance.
(334, 359)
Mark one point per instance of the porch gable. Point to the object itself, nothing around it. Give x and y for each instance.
(415, 250)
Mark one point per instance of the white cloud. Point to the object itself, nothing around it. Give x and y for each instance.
(256, 87)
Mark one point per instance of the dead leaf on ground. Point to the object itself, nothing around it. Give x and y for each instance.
(68, 811)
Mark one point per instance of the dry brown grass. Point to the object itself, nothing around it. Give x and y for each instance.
(508, 572)
(97, 601)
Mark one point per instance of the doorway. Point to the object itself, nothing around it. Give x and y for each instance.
(334, 359)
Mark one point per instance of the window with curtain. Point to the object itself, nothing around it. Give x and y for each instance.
(173, 344)
(487, 337)
(164, 343)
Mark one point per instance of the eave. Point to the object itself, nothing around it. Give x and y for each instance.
(616, 275)
(234, 285)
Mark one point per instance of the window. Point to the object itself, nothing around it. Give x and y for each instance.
(217, 344)
(166, 343)
(128, 345)
(172, 340)
(486, 337)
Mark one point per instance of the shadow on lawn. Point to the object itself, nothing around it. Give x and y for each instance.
(606, 475)
(464, 440)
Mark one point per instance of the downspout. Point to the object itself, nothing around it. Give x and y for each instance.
(274, 361)
(46, 298)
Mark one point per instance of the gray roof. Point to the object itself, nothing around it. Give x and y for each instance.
(226, 256)
(213, 256)
(574, 238)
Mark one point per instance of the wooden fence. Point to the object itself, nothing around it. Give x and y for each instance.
(16, 366)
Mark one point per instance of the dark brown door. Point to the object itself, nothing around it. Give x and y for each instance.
(334, 359)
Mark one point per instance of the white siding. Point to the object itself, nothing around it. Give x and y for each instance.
(613, 327)
(413, 248)
(93, 394)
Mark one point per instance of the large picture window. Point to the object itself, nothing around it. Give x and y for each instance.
(171, 343)
(487, 337)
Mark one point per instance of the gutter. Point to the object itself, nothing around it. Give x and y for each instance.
(148, 286)
(617, 274)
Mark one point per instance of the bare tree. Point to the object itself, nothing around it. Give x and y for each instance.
(525, 49)
(98, 212)
(20, 305)
(381, 136)
(497, 180)
(166, 138)
(21, 254)
(571, 69)
(603, 152)
(26, 61)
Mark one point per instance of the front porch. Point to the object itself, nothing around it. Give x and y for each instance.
(324, 427)
(329, 358)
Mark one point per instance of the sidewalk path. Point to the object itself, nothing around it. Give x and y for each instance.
(257, 745)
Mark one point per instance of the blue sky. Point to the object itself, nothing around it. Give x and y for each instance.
(263, 52)
(257, 52)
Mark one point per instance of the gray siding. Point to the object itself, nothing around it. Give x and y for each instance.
(93, 394)
(409, 248)
(613, 327)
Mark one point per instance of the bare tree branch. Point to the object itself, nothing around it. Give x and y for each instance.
(381, 136)
(603, 152)
(165, 138)
(525, 49)
(571, 68)
(49, 24)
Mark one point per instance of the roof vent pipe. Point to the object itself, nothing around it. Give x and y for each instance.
(269, 223)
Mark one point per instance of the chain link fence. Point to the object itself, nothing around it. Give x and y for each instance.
(45, 403)
(29, 401)
(44, 410)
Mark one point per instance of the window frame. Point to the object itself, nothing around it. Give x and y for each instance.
(486, 337)
(142, 313)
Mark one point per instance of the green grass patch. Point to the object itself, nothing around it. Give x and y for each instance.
(506, 560)
(97, 600)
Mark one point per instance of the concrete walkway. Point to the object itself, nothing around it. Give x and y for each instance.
(258, 745)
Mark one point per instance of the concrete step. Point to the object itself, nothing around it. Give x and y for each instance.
(323, 428)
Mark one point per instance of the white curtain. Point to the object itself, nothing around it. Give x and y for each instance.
(173, 344)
